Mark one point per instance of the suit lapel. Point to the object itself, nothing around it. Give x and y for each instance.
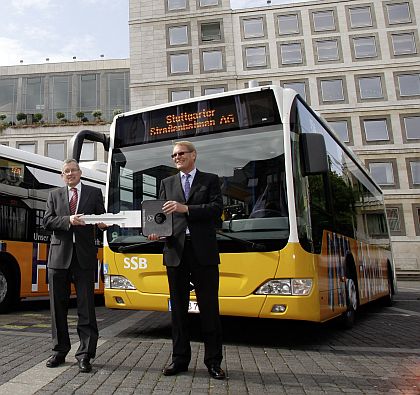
(84, 197)
(63, 194)
(195, 185)
(178, 191)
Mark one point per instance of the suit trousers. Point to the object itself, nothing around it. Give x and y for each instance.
(60, 288)
(206, 283)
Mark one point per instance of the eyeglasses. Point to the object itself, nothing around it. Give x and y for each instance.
(67, 172)
(180, 153)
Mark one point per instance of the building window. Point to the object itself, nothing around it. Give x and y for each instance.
(409, 84)
(88, 95)
(382, 173)
(118, 92)
(174, 5)
(327, 50)
(370, 88)
(398, 13)
(323, 21)
(299, 87)
(364, 47)
(179, 63)
(88, 152)
(211, 31)
(28, 147)
(208, 3)
(414, 172)
(403, 44)
(411, 126)
(8, 97)
(55, 150)
(288, 24)
(60, 99)
(291, 53)
(341, 128)
(180, 94)
(256, 57)
(34, 95)
(395, 216)
(416, 214)
(332, 90)
(253, 27)
(211, 90)
(212, 60)
(360, 17)
(178, 35)
(375, 130)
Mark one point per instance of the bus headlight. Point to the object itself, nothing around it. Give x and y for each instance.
(117, 282)
(287, 286)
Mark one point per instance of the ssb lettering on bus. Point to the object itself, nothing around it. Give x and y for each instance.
(135, 263)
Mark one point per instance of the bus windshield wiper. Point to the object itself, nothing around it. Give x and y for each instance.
(136, 245)
(254, 246)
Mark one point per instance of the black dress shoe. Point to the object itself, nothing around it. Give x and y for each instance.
(84, 365)
(174, 369)
(216, 372)
(55, 360)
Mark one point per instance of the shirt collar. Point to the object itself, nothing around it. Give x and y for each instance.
(191, 173)
(78, 187)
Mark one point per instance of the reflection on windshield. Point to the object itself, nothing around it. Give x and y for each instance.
(250, 165)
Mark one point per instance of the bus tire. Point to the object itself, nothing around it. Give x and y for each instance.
(352, 301)
(388, 299)
(7, 289)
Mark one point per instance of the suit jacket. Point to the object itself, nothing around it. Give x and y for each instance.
(205, 207)
(57, 219)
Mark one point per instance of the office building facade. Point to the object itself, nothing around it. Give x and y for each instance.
(356, 62)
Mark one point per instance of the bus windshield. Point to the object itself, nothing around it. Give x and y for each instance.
(249, 161)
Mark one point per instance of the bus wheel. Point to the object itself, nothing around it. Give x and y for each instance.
(6, 287)
(387, 300)
(349, 315)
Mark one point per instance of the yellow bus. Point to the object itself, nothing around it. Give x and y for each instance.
(303, 234)
(25, 180)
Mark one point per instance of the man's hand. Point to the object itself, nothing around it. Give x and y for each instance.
(77, 220)
(101, 225)
(174, 207)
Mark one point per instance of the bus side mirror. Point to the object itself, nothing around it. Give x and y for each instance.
(314, 154)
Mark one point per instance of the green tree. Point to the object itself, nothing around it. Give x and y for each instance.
(117, 111)
(97, 115)
(3, 117)
(60, 115)
(38, 116)
(20, 116)
(80, 115)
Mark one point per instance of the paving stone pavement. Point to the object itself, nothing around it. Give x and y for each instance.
(381, 354)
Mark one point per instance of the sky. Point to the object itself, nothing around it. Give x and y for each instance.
(33, 30)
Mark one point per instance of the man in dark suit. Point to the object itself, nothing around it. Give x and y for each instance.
(191, 256)
(72, 259)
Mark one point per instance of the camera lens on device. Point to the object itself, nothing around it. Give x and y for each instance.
(160, 218)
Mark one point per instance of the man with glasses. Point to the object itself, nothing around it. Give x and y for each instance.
(191, 256)
(72, 259)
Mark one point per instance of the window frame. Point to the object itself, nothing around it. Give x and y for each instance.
(390, 23)
(168, 35)
(393, 163)
(321, 80)
(349, 128)
(318, 41)
(183, 89)
(416, 43)
(369, 6)
(359, 78)
(407, 140)
(398, 85)
(222, 57)
(168, 9)
(376, 41)
(411, 183)
(208, 22)
(176, 53)
(400, 209)
(302, 53)
(46, 145)
(319, 11)
(305, 82)
(387, 119)
(299, 24)
(254, 46)
(254, 37)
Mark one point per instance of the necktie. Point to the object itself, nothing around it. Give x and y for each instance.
(187, 186)
(73, 201)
